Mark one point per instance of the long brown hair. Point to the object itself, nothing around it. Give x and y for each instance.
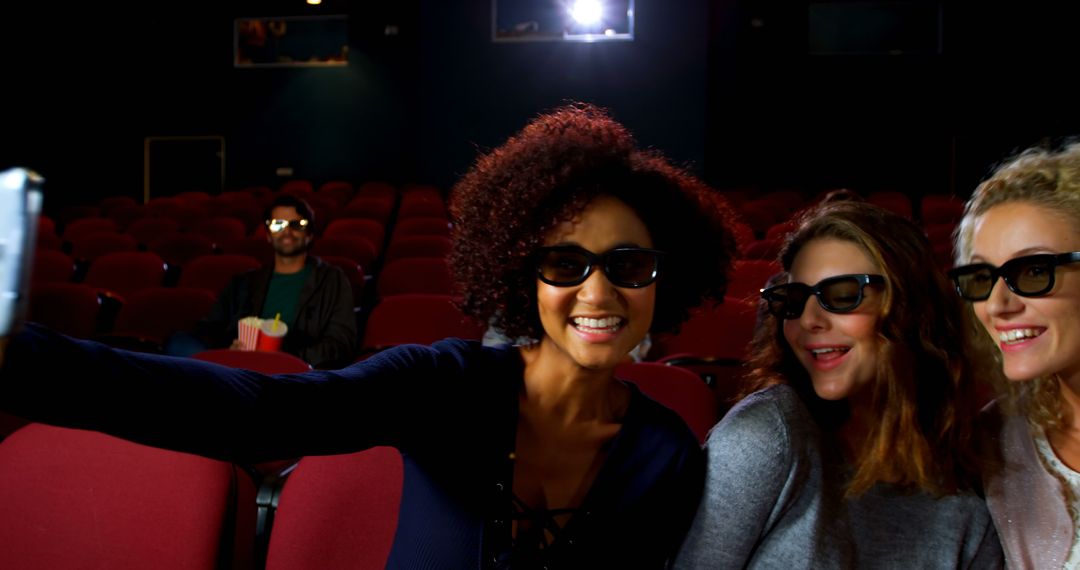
(924, 394)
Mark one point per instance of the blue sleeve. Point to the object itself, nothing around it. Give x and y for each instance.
(749, 464)
(230, 414)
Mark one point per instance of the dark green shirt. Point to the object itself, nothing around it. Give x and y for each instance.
(284, 295)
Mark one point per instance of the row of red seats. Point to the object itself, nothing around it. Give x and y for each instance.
(767, 219)
(82, 499)
(87, 239)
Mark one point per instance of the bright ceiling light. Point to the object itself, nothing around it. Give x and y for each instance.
(586, 12)
(314, 2)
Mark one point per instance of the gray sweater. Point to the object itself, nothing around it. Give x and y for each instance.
(774, 498)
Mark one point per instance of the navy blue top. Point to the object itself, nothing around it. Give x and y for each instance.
(451, 409)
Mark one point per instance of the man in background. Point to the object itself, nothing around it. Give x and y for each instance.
(312, 297)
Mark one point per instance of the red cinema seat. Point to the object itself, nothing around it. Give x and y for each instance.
(338, 511)
(420, 319)
(81, 499)
(678, 389)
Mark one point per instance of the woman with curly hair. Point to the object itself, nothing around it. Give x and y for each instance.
(515, 456)
(852, 448)
(1023, 225)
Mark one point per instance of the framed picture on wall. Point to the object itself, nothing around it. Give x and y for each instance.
(292, 41)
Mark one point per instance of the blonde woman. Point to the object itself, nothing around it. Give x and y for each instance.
(1017, 251)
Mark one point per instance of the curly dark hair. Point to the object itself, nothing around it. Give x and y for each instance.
(506, 205)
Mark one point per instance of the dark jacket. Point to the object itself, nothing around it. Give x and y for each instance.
(324, 333)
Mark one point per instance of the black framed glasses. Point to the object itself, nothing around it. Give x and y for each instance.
(277, 225)
(839, 294)
(569, 265)
(1027, 276)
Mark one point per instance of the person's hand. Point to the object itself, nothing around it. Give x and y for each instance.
(236, 345)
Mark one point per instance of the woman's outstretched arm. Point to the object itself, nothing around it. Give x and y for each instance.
(207, 409)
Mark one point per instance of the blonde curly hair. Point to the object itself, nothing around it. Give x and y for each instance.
(1049, 179)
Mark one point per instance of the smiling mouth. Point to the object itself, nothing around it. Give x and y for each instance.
(831, 353)
(1016, 336)
(606, 325)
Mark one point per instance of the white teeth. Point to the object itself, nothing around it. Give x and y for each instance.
(604, 323)
(1017, 335)
(817, 351)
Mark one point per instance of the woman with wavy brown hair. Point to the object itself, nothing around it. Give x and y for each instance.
(528, 456)
(852, 447)
(1022, 225)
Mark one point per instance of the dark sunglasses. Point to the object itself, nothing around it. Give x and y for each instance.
(839, 294)
(569, 265)
(277, 225)
(1027, 276)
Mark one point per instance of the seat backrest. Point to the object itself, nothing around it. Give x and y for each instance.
(91, 246)
(185, 213)
(180, 249)
(421, 319)
(353, 272)
(414, 275)
(768, 249)
(679, 389)
(125, 215)
(761, 215)
(70, 308)
(726, 377)
(338, 511)
(194, 196)
(368, 228)
(127, 272)
(213, 272)
(52, 266)
(376, 189)
(46, 225)
(723, 331)
(84, 226)
(786, 202)
(255, 360)
(81, 499)
(373, 208)
(254, 246)
(418, 246)
(424, 226)
(153, 314)
(356, 248)
(146, 230)
(339, 191)
(749, 276)
(941, 209)
(220, 229)
(49, 241)
(70, 214)
(250, 214)
(297, 187)
(421, 204)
